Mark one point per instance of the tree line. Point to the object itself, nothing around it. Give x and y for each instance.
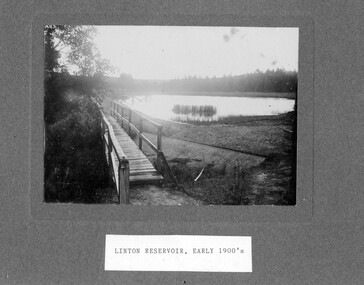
(277, 81)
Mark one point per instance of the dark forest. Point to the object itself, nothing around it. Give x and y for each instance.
(272, 81)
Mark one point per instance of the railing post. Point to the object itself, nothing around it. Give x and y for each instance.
(159, 138)
(159, 147)
(109, 150)
(140, 132)
(129, 121)
(124, 173)
(120, 120)
(102, 131)
(117, 115)
(122, 116)
(103, 134)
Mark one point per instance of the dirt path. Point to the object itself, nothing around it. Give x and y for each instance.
(154, 195)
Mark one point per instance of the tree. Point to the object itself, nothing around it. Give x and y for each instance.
(71, 49)
(74, 159)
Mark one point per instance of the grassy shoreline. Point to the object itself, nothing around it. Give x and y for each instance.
(230, 120)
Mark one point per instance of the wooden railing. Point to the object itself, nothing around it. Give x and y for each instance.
(125, 116)
(119, 171)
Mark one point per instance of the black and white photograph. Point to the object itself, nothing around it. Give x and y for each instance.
(181, 142)
(170, 115)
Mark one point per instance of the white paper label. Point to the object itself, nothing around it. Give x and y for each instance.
(178, 253)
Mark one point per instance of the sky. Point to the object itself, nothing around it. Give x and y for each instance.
(169, 52)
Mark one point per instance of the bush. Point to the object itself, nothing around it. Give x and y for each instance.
(75, 164)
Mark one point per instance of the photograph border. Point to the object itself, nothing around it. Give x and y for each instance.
(302, 211)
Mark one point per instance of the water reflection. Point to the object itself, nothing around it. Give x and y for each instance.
(194, 108)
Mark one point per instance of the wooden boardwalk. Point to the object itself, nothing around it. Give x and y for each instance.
(141, 169)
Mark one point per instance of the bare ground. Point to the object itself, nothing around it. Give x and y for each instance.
(232, 177)
(155, 195)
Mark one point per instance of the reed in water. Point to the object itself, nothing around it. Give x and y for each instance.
(194, 109)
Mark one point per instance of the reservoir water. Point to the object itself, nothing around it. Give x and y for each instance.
(185, 108)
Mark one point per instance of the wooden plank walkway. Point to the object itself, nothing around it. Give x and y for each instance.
(141, 169)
